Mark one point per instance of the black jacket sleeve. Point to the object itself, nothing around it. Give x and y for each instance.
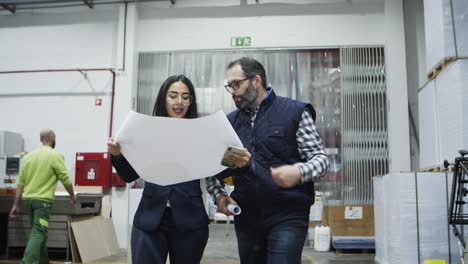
(234, 172)
(124, 169)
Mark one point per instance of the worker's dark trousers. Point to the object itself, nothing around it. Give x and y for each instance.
(36, 249)
(273, 238)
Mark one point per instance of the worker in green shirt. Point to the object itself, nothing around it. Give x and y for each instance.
(40, 171)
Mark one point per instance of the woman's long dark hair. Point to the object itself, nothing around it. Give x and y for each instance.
(160, 104)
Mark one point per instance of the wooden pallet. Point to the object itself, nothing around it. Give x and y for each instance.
(438, 169)
(439, 67)
(349, 251)
(435, 169)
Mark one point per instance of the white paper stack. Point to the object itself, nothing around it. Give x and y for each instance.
(451, 87)
(460, 14)
(434, 231)
(379, 217)
(395, 221)
(443, 122)
(446, 30)
(400, 209)
(411, 220)
(429, 153)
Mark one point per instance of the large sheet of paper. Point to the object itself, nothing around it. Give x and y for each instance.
(167, 151)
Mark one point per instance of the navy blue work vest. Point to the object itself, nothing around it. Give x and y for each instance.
(272, 143)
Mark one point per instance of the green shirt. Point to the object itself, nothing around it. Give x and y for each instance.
(39, 173)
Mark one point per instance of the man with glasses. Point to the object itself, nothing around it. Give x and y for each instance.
(274, 177)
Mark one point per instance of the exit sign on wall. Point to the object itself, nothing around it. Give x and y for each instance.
(241, 42)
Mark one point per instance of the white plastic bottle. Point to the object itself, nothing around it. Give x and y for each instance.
(322, 238)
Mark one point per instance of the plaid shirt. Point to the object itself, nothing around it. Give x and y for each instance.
(310, 149)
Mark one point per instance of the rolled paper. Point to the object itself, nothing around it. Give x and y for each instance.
(235, 209)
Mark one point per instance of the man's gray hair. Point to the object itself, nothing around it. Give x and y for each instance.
(46, 134)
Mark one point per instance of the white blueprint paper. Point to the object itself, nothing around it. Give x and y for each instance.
(166, 150)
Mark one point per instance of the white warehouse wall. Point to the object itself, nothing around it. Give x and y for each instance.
(80, 125)
(266, 32)
(58, 46)
(59, 101)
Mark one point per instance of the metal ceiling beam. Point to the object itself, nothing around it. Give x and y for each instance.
(15, 5)
(89, 3)
(33, 2)
(11, 8)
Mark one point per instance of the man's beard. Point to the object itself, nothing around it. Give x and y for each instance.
(248, 98)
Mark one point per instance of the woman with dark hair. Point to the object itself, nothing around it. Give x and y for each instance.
(167, 98)
(169, 219)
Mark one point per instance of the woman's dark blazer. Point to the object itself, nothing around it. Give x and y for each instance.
(188, 211)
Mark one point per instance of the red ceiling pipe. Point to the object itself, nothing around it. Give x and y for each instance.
(112, 103)
(56, 70)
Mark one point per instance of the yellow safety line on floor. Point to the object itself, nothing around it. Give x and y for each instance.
(309, 258)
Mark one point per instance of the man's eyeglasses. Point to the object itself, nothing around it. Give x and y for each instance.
(174, 98)
(234, 85)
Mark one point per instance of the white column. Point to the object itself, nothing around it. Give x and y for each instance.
(395, 56)
(125, 91)
(416, 65)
